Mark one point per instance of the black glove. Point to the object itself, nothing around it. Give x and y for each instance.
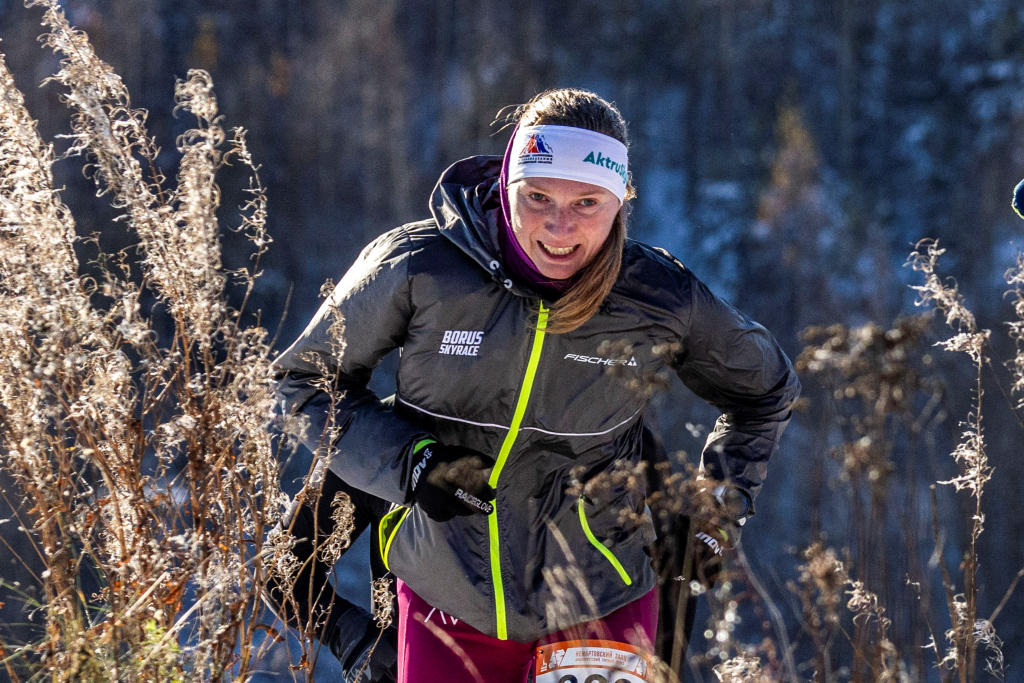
(711, 537)
(367, 654)
(709, 542)
(704, 540)
(699, 541)
(450, 481)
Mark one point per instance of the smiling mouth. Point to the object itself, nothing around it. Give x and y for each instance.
(558, 251)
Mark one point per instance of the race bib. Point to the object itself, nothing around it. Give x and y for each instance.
(590, 661)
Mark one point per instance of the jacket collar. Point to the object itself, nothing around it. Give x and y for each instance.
(466, 205)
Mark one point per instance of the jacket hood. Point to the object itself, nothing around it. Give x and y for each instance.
(466, 205)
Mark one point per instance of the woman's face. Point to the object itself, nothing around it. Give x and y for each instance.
(561, 224)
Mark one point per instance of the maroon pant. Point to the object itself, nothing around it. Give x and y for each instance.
(434, 647)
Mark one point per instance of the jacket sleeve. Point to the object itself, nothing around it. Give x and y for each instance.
(365, 318)
(736, 365)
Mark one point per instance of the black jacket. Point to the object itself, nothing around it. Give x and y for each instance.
(557, 412)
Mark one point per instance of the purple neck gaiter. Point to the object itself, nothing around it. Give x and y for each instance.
(515, 257)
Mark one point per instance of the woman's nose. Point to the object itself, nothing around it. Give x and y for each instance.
(561, 222)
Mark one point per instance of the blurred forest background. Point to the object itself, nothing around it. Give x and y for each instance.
(790, 152)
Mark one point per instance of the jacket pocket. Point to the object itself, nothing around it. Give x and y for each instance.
(388, 529)
(601, 547)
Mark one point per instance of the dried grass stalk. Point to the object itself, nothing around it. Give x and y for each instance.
(149, 464)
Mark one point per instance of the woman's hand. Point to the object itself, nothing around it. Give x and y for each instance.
(696, 548)
(709, 542)
(451, 481)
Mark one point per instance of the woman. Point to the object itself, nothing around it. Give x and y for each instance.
(527, 324)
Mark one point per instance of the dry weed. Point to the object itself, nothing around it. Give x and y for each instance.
(147, 463)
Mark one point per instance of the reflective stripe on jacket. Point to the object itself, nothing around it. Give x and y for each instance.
(561, 414)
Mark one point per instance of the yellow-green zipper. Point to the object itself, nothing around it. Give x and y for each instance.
(601, 546)
(385, 537)
(506, 448)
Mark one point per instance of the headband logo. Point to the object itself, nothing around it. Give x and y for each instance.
(614, 166)
(535, 151)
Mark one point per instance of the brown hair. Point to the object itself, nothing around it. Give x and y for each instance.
(582, 109)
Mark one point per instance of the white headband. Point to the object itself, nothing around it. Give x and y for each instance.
(571, 154)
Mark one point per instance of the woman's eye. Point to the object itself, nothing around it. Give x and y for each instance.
(536, 196)
(588, 202)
